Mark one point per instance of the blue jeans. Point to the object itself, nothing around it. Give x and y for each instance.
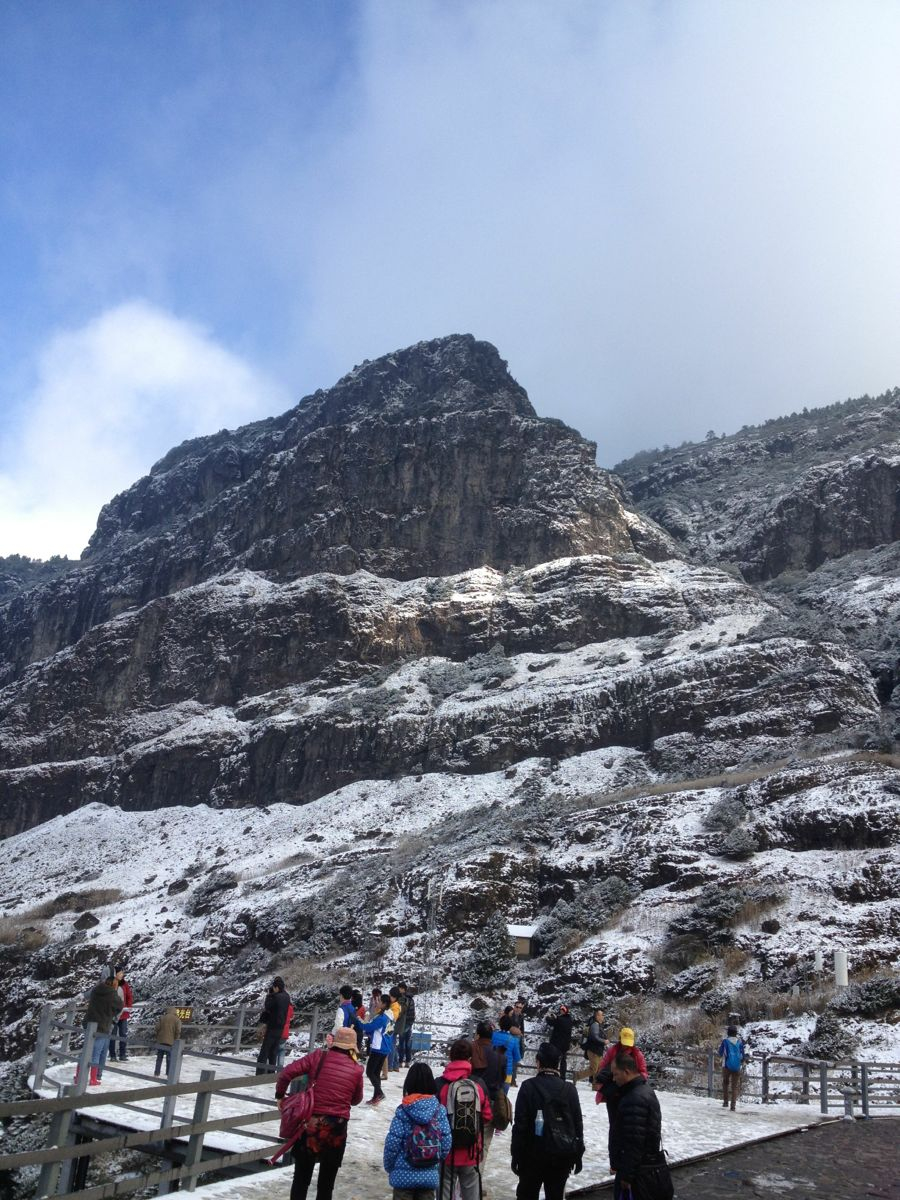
(120, 1031)
(98, 1056)
(404, 1047)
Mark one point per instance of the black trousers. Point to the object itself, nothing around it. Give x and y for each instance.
(373, 1072)
(268, 1051)
(304, 1164)
(533, 1174)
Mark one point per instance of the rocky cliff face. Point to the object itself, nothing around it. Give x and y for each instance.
(412, 628)
(426, 462)
(785, 496)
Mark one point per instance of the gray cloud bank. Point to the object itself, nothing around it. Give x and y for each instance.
(669, 217)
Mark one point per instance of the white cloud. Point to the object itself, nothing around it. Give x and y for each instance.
(667, 217)
(110, 399)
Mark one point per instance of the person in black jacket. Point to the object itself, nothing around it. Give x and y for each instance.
(636, 1131)
(561, 1035)
(546, 1103)
(489, 1068)
(273, 1017)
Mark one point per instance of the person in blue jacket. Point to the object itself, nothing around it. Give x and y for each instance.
(420, 1108)
(507, 1037)
(380, 1031)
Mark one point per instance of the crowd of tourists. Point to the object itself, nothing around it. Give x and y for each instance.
(442, 1132)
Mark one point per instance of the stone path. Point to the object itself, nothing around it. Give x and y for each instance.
(844, 1160)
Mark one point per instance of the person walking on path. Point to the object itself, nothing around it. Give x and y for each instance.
(104, 1006)
(468, 1109)
(346, 1010)
(380, 1031)
(404, 1044)
(272, 1018)
(489, 1069)
(548, 1133)
(418, 1140)
(507, 1039)
(338, 1086)
(166, 1034)
(607, 1092)
(635, 1154)
(120, 1025)
(594, 1048)
(517, 1016)
(561, 1035)
(731, 1052)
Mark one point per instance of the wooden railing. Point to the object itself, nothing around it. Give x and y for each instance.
(64, 1162)
(838, 1086)
(75, 1138)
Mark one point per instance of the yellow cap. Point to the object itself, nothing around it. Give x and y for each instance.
(626, 1037)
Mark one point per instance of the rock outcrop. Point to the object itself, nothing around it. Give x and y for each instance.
(785, 496)
(426, 462)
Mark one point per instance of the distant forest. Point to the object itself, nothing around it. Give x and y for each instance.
(793, 422)
(18, 572)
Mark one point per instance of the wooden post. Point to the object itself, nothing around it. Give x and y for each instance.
(173, 1076)
(710, 1073)
(42, 1045)
(313, 1028)
(804, 1092)
(765, 1079)
(168, 1110)
(864, 1088)
(195, 1142)
(60, 1124)
(84, 1059)
(823, 1088)
(239, 1030)
(68, 1025)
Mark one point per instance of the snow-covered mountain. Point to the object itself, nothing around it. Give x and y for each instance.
(339, 692)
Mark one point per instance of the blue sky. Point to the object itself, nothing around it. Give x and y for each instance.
(668, 217)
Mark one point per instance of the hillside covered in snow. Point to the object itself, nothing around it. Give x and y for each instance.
(336, 693)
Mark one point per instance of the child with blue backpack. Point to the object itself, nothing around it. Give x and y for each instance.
(419, 1138)
(731, 1052)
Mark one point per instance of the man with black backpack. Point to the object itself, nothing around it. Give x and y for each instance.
(547, 1135)
(468, 1108)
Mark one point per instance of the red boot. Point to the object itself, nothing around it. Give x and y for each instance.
(94, 1080)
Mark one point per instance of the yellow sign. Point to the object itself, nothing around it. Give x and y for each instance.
(184, 1014)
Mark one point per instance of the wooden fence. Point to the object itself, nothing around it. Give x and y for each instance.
(76, 1138)
(836, 1086)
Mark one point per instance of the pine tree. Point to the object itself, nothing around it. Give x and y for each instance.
(490, 962)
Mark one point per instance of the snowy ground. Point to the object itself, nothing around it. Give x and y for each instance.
(691, 1126)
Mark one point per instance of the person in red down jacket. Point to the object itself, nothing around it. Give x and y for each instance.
(285, 1034)
(338, 1085)
(120, 1025)
(464, 1159)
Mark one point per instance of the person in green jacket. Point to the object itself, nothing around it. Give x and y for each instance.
(104, 1006)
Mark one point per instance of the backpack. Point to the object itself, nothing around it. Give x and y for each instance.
(422, 1148)
(560, 1138)
(502, 1110)
(296, 1111)
(734, 1054)
(464, 1113)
